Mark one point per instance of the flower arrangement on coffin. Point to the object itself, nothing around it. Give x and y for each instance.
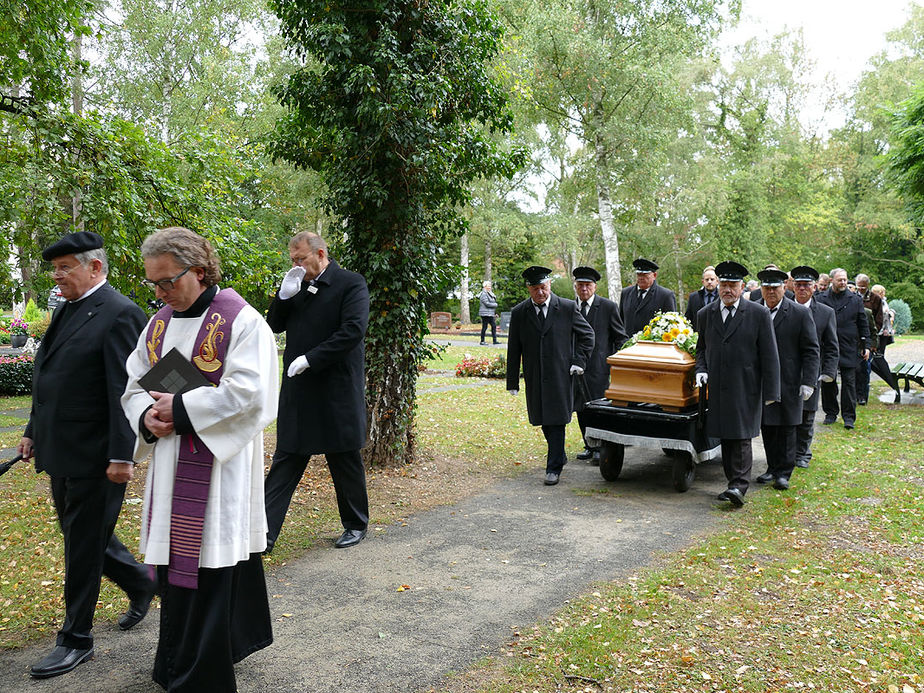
(668, 327)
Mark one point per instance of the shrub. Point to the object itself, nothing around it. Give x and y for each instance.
(32, 312)
(15, 375)
(487, 367)
(902, 315)
(913, 296)
(38, 328)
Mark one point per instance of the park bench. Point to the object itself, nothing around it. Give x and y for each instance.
(909, 372)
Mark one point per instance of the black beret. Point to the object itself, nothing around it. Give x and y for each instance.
(72, 244)
(535, 274)
(730, 271)
(642, 265)
(585, 274)
(772, 277)
(804, 273)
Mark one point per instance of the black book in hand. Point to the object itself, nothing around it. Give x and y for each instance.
(173, 373)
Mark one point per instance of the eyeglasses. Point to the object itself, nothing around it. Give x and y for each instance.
(164, 284)
(61, 272)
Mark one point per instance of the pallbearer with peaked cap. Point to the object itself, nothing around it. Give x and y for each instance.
(609, 336)
(804, 278)
(553, 341)
(736, 356)
(639, 302)
(797, 348)
(81, 439)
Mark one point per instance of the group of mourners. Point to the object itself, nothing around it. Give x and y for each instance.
(764, 357)
(103, 400)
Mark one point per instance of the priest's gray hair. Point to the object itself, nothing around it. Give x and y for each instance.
(88, 256)
(190, 250)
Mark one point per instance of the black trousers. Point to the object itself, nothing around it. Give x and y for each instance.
(881, 368)
(204, 632)
(805, 432)
(848, 399)
(346, 470)
(555, 438)
(485, 321)
(863, 380)
(737, 460)
(780, 446)
(88, 509)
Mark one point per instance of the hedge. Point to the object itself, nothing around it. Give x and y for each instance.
(15, 375)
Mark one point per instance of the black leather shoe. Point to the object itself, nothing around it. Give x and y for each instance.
(828, 420)
(861, 402)
(733, 496)
(781, 483)
(848, 426)
(350, 537)
(551, 478)
(585, 454)
(137, 610)
(765, 478)
(60, 661)
(802, 464)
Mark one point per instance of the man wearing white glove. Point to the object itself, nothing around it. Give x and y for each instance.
(736, 354)
(805, 280)
(324, 311)
(797, 347)
(554, 342)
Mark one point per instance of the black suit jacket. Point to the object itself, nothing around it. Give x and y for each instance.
(609, 336)
(77, 424)
(743, 367)
(695, 301)
(636, 315)
(852, 326)
(797, 347)
(826, 331)
(548, 351)
(323, 409)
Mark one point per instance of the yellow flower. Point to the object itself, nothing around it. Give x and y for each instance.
(665, 337)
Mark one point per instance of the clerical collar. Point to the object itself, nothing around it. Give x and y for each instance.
(199, 305)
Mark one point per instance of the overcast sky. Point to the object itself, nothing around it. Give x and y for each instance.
(841, 35)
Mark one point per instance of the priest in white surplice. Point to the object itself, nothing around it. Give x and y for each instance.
(203, 523)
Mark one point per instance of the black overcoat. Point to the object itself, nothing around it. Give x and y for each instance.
(852, 325)
(636, 315)
(77, 424)
(695, 301)
(547, 353)
(826, 331)
(323, 409)
(609, 336)
(743, 368)
(797, 347)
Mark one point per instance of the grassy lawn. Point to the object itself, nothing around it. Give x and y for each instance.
(820, 588)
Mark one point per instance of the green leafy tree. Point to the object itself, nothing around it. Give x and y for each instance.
(392, 107)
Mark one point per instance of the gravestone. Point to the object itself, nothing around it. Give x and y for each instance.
(440, 321)
(505, 321)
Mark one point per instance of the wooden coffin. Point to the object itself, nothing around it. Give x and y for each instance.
(654, 373)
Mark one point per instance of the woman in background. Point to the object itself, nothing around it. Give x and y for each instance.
(486, 307)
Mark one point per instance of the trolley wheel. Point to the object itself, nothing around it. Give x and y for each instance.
(611, 457)
(684, 470)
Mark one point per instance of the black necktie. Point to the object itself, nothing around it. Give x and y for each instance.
(641, 295)
(584, 308)
(540, 313)
(709, 298)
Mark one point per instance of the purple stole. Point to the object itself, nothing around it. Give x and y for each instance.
(194, 464)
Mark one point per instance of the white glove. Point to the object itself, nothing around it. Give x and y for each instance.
(576, 369)
(768, 402)
(806, 391)
(513, 392)
(292, 283)
(701, 379)
(826, 379)
(299, 365)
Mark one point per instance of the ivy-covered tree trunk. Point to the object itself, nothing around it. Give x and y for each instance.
(397, 110)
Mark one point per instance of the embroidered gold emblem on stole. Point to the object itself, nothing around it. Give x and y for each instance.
(207, 358)
(156, 333)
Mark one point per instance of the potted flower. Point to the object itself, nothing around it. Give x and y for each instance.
(19, 333)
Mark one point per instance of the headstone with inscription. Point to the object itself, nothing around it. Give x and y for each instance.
(440, 321)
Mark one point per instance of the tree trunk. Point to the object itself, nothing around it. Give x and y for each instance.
(487, 258)
(465, 315)
(681, 294)
(607, 227)
(77, 106)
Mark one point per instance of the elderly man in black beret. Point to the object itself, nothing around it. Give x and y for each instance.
(639, 303)
(603, 316)
(554, 342)
(82, 440)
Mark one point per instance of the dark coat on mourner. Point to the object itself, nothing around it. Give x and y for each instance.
(324, 408)
(609, 336)
(547, 351)
(797, 347)
(826, 331)
(635, 315)
(744, 370)
(697, 300)
(852, 326)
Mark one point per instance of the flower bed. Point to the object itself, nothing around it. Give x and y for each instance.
(486, 367)
(15, 375)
